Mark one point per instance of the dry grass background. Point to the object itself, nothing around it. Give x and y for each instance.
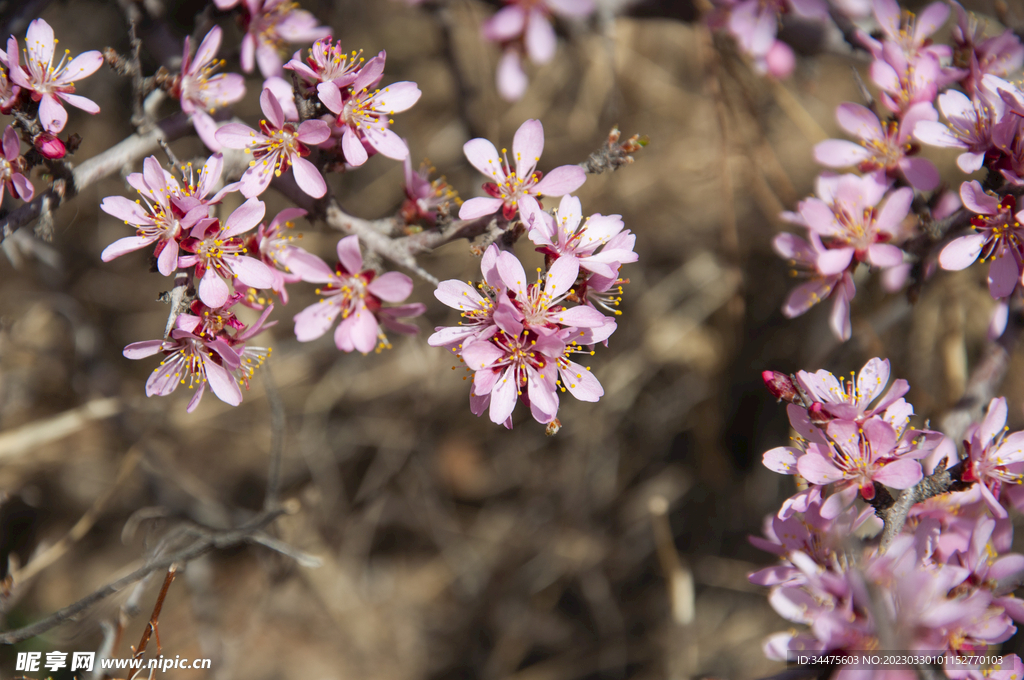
(452, 548)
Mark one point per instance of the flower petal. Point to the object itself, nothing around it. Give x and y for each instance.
(349, 254)
(391, 286)
(308, 177)
(580, 382)
(564, 179)
(479, 207)
(962, 252)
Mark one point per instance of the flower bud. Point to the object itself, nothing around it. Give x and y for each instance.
(817, 414)
(780, 385)
(49, 146)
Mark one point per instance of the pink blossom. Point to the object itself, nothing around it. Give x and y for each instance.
(755, 23)
(327, 63)
(850, 400)
(998, 55)
(50, 83)
(271, 24)
(364, 115)
(970, 125)
(426, 200)
(192, 360)
(12, 168)
(568, 235)
(195, 188)
(220, 256)
(276, 147)
(994, 458)
(805, 258)
(526, 25)
(605, 292)
(506, 186)
(275, 245)
(857, 457)
(847, 218)
(157, 219)
(998, 238)
(476, 308)
(811, 534)
(201, 351)
(201, 92)
(909, 32)
(357, 295)
(904, 82)
(539, 305)
(49, 146)
(883, 146)
(512, 365)
(9, 91)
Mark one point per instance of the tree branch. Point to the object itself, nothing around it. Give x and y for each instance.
(94, 169)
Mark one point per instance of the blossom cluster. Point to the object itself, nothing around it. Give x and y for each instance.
(233, 265)
(946, 581)
(36, 83)
(520, 333)
(862, 218)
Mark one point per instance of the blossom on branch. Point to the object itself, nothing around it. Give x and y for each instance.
(270, 25)
(277, 146)
(970, 124)
(476, 308)
(999, 238)
(567, 235)
(51, 83)
(326, 63)
(157, 218)
(12, 168)
(202, 91)
(275, 245)
(883, 145)
(363, 115)
(219, 254)
(357, 296)
(507, 186)
(994, 458)
(754, 24)
(201, 350)
(999, 55)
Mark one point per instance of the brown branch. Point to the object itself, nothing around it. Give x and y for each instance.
(151, 626)
(895, 517)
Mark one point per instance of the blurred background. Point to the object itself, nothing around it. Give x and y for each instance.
(453, 549)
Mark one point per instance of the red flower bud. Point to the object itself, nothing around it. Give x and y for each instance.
(49, 146)
(780, 385)
(817, 414)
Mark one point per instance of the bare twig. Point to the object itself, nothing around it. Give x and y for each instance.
(215, 540)
(151, 627)
(178, 299)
